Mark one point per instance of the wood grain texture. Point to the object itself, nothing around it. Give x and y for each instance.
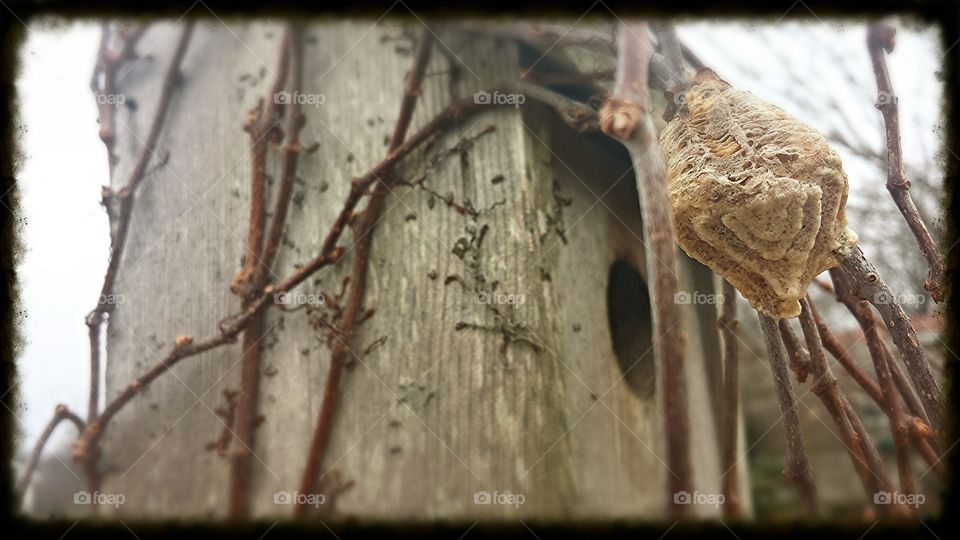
(430, 414)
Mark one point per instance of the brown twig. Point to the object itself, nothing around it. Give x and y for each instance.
(880, 39)
(60, 413)
(103, 82)
(798, 467)
(358, 275)
(799, 358)
(864, 282)
(889, 402)
(86, 447)
(915, 428)
(95, 318)
(832, 344)
(872, 474)
(259, 263)
(261, 123)
(625, 116)
(731, 407)
(579, 116)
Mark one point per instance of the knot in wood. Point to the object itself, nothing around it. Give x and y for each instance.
(757, 196)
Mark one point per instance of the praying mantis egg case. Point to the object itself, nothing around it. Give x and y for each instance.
(757, 196)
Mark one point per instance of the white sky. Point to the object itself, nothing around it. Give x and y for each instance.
(67, 238)
(66, 235)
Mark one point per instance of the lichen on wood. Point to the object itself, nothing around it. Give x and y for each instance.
(757, 195)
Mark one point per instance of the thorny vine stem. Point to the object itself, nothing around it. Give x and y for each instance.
(862, 452)
(60, 413)
(358, 275)
(865, 282)
(798, 466)
(127, 195)
(881, 39)
(625, 116)
(731, 407)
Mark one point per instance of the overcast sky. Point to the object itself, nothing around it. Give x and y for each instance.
(66, 233)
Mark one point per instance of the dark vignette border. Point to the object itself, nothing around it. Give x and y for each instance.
(943, 13)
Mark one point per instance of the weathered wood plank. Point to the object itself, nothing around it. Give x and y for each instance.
(431, 414)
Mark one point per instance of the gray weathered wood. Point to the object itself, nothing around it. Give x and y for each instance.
(431, 414)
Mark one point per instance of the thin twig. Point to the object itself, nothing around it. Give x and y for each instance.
(261, 123)
(103, 82)
(86, 446)
(832, 344)
(798, 467)
(918, 430)
(889, 403)
(259, 263)
(625, 116)
(799, 358)
(358, 275)
(731, 406)
(872, 474)
(880, 39)
(60, 413)
(105, 305)
(579, 116)
(865, 282)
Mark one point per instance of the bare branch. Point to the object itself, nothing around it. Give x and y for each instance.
(60, 413)
(916, 427)
(880, 39)
(358, 276)
(731, 406)
(258, 263)
(798, 466)
(95, 318)
(799, 358)
(873, 474)
(625, 116)
(865, 282)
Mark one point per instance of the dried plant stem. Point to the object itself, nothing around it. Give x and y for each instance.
(103, 82)
(890, 401)
(799, 358)
(731, 406)
(358, 275)
(872, 474)
(881, 39)
(579, 116)
(914, 429)
(60, 413)
(259, 259)
(95, 318)
(864, 282)
(86, 447)
(833, 346)
(625, 116)
(798, 467)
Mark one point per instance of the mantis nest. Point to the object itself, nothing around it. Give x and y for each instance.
(757, 196)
